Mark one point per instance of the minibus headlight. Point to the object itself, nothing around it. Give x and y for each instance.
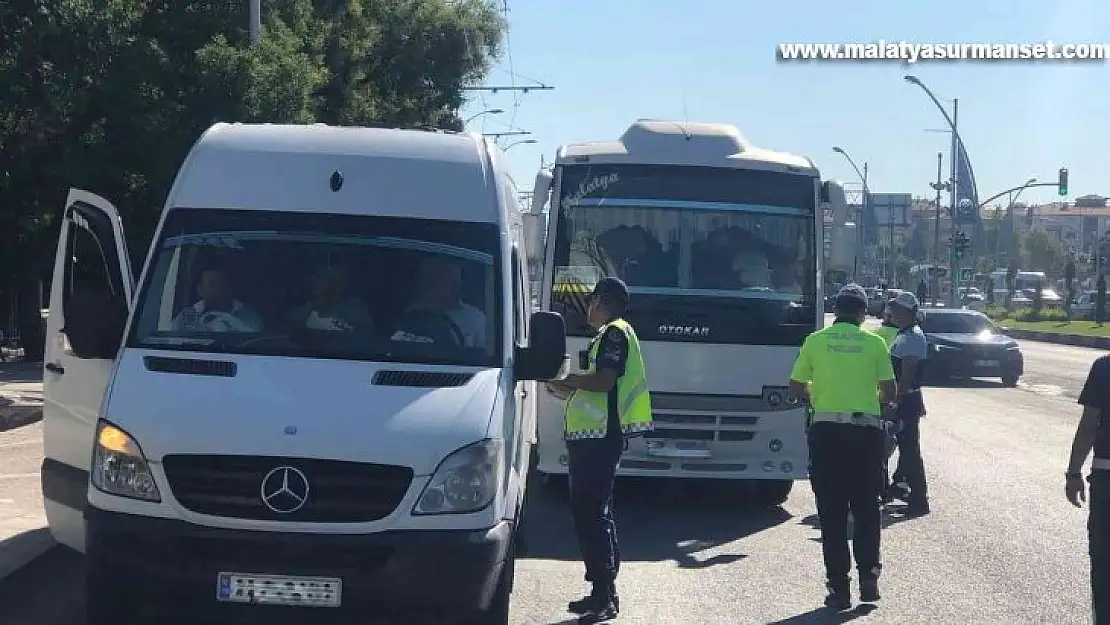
(119, 466)
(466, 480)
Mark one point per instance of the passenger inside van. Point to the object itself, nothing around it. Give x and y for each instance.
(217, 309)
(438, 312)
(330, 307)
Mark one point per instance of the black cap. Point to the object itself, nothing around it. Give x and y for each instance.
(614, 291)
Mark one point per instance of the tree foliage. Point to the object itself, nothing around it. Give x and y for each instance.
(110, 95)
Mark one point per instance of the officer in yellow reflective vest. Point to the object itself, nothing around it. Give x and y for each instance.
(888, 330)
(846, 373)
(607, 403)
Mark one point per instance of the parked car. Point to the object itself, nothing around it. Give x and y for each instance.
(967, 344)
(1084, 306)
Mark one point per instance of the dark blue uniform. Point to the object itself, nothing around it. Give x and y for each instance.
(1096, 394)
(910, 342)
(592, 469)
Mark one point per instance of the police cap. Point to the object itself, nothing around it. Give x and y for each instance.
(852, 292)
(614, 292)
(905, 300)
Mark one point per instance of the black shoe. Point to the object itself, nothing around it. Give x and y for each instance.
(595, 600)
(869, 590)
(607, 611)
(897, 491)
(917, 508)
(839, 598)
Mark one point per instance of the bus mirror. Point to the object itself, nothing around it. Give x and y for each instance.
(533, 238)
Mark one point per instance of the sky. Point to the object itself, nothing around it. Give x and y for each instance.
(614, 61)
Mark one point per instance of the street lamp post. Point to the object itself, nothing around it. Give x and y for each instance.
(1014, 196)
(254, 20)
(863, 206)
(957, 141)
(481, 113)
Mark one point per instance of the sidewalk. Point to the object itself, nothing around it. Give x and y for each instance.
(23, 533)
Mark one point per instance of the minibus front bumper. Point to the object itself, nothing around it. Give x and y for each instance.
(145, 562)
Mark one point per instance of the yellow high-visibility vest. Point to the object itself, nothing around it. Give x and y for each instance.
(587, 412)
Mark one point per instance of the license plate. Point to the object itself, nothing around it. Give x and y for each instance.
(317, 592)
(986, 363)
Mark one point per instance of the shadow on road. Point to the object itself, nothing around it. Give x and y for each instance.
(962, 383)
(824, 615)
(893, 514)
(13, 372)
(656, 521)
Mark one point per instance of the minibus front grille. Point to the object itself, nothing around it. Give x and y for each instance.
(246, 487)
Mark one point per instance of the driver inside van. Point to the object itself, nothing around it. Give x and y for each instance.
(439, 292)
(330, 308)
(217, 310)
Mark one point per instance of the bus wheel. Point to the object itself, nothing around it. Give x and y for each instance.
(773, 492)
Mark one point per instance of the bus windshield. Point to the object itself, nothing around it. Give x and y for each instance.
(678, 233)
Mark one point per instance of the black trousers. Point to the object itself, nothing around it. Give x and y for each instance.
(1098, 529)
(844, 477)
(592, 465)
(911, 466)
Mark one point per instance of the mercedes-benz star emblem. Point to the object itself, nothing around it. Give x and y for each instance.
(285, 490)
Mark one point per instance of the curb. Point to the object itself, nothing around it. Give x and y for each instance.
(1075, 340)
(20, 550)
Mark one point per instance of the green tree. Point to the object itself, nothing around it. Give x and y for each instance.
(1100, 299)
(1011, 285)
(1041, 251)
(1069, 286)
(111, 98)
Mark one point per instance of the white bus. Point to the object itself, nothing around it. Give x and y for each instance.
(719, 242)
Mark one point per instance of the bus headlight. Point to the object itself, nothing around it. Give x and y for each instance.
(119, 466)
(466, 480)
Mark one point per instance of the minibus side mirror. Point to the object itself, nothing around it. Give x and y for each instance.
(545, 357)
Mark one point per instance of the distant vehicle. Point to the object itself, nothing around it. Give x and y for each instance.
(877, 299)
(1084, 306)
(967, 344)
(1025, 285)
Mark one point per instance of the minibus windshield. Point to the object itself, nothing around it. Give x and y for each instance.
(315, 285)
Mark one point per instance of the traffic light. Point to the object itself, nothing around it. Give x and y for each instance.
(1062, 182)
(960, 243)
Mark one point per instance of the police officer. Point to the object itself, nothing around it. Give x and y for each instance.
(908, 354)
(1093, 431)
(846, 373)
(607, 403)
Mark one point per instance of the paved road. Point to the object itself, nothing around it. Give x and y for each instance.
(1002, 546)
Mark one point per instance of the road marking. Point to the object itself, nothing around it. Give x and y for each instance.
(26, 443)
(18, 476)
(1047, 390)
(7, 501)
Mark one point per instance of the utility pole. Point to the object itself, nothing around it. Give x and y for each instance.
(937, 186)
(890, 247)
(255, 20)
(953, 198)
(862, 212)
